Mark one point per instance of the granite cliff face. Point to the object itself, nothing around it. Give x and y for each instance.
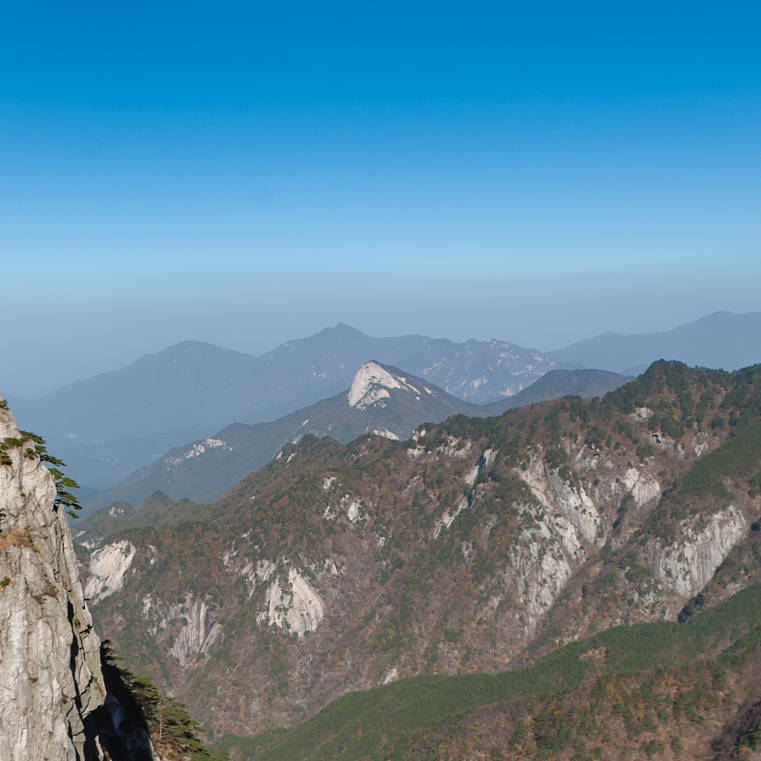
(59, 700)
(50, 671)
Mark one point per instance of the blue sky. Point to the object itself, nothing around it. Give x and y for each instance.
(248, 173)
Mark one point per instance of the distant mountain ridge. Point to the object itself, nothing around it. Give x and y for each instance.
(108, 426)
(382, 400)
(556, 383)
(720, 340)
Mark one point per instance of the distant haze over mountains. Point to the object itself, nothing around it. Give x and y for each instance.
(381, 400)
(108, 426)
(113, 424)
(557, 383)
(721, 341)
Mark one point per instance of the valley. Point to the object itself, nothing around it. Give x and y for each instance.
(380, 382)
(477, 546)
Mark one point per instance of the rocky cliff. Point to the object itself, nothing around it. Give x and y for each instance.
(50, 673)
(55, 704)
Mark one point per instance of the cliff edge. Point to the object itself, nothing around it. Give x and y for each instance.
(50, 669)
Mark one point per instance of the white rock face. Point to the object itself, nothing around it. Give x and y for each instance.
(642, 413)
(548, 577)
(689, 565)
(700, 444)
(108, 567)
(198, 636)
(353, 512)
(567, 524)
(558, 495)
(486, 461)
(365, 389)
(451, 448)
(196, 450)
(386, 434)
(300, 611)
(265, 569)
(50, 678)
(447, 519)
(643, 487)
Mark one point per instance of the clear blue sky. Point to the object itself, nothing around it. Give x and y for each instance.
(247, 173)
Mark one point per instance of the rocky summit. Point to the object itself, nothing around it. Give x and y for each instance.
(478, 545)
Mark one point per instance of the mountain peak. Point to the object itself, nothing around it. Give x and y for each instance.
(372, 375)
(344, 330)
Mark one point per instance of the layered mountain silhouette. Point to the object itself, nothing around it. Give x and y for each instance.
(108, 426)
(382, 400)
(556, 383)
(722, 340)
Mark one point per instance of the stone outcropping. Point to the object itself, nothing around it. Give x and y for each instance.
(50, 675)
(689, 564)
(54, 705)
(198, 636)
(108, 566)
(297, 607)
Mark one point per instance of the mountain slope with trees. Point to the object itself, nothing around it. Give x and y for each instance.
(686, 690)
(476, 546)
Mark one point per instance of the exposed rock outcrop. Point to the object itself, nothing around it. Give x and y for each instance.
(50, 672)
(300, 611)
(198, 636)
(57, 700)
(555, 494)
(689, 564)
(108, 566)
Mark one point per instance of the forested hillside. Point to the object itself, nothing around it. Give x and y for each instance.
(477, 546)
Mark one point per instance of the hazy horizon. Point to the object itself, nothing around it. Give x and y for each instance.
(79, 371)
(246, 175)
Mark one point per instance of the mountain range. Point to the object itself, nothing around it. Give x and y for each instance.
(382, 400)
(720, 340)
(113, 424)
(108, 426)
(477, 545)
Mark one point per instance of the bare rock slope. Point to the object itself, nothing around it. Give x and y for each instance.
(50, 675)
